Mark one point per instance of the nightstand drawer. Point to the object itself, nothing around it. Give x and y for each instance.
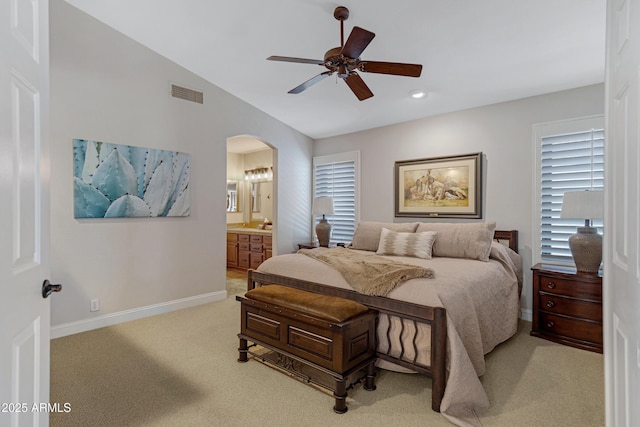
(574, 328)
(567, 306)
(571, 288)
(570, 307)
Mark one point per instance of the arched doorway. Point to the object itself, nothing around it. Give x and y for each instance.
(251, 203)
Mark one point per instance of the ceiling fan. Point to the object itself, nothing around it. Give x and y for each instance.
(345, 61)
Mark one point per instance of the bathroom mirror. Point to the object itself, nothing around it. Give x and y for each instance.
(232, 196)
(255, 197)
(261, 200)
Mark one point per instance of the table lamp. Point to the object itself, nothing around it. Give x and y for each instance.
(586, 244)
(323, 206)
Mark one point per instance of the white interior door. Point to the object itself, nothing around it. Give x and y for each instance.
(24, 212)
(622, 215)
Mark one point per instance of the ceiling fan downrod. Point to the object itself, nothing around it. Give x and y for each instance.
(341, 14)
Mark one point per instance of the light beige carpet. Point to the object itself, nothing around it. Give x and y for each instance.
(236, 286)
(180, 369)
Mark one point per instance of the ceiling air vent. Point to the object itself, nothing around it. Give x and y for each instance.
(187, 94)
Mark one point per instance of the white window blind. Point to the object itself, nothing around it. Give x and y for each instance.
(336, 176)
(568, 162)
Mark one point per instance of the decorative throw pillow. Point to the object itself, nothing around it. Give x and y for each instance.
(417, 245)
(461, 240)
(367, 235)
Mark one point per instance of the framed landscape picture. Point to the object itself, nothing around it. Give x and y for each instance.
(447, 187)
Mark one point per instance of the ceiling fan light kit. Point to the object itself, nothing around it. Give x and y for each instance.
(346, 63)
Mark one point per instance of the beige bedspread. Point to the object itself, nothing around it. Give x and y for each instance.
(482, 303)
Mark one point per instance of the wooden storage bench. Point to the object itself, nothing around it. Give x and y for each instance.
(335, 337)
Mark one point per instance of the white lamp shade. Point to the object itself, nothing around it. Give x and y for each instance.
(583, 204)
(322, 206)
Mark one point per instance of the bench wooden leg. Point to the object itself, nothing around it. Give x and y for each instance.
(242, 351)
(370, 380)
(341, 397)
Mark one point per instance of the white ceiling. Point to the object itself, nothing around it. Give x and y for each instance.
(473, 52)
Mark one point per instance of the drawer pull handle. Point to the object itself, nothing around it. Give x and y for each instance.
(551, 304)
(550, 324)
(551, 285)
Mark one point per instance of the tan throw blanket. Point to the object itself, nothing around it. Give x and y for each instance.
(368, 274)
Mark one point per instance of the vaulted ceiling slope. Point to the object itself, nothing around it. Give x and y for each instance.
(473, 53)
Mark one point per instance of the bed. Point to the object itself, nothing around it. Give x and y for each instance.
(440, 326)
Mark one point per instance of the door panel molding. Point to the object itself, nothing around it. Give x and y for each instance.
(25, 26)
(26, 353)
(26, 178)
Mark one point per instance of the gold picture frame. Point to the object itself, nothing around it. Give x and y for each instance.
(439, 187)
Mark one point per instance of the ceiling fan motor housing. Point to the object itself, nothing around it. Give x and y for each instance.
(335, 61)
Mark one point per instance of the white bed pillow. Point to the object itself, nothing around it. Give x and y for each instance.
(367, 235)
(470, 240)
(417, 245)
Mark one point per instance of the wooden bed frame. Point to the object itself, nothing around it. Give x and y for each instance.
(415, 314)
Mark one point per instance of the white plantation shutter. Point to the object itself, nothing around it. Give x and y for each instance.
(337, 176)
(568, 162)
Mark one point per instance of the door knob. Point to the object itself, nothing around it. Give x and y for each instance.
(48, 288)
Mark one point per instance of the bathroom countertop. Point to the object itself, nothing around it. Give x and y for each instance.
(247, 230)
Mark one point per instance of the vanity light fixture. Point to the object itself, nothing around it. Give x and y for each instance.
(259, 174)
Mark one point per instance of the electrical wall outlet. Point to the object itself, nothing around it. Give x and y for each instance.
(95, 305)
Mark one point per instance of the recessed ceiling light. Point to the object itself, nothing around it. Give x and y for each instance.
(417, 94)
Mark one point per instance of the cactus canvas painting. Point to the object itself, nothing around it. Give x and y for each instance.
(113, 180)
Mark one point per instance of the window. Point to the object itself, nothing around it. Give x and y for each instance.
(338, 176)
(570, 156)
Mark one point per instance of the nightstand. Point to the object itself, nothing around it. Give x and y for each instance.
(567, 306)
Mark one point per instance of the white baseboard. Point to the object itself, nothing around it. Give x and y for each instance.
(133, 314)
(71, 328)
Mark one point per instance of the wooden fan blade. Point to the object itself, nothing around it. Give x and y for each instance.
(358, 40)
(310, 82)
(358, 86)
(299, 60)
(395, 68)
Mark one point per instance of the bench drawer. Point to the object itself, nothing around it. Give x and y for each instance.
(337, 347)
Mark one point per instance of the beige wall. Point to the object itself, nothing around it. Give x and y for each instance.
(502, 132)
(106, 87)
